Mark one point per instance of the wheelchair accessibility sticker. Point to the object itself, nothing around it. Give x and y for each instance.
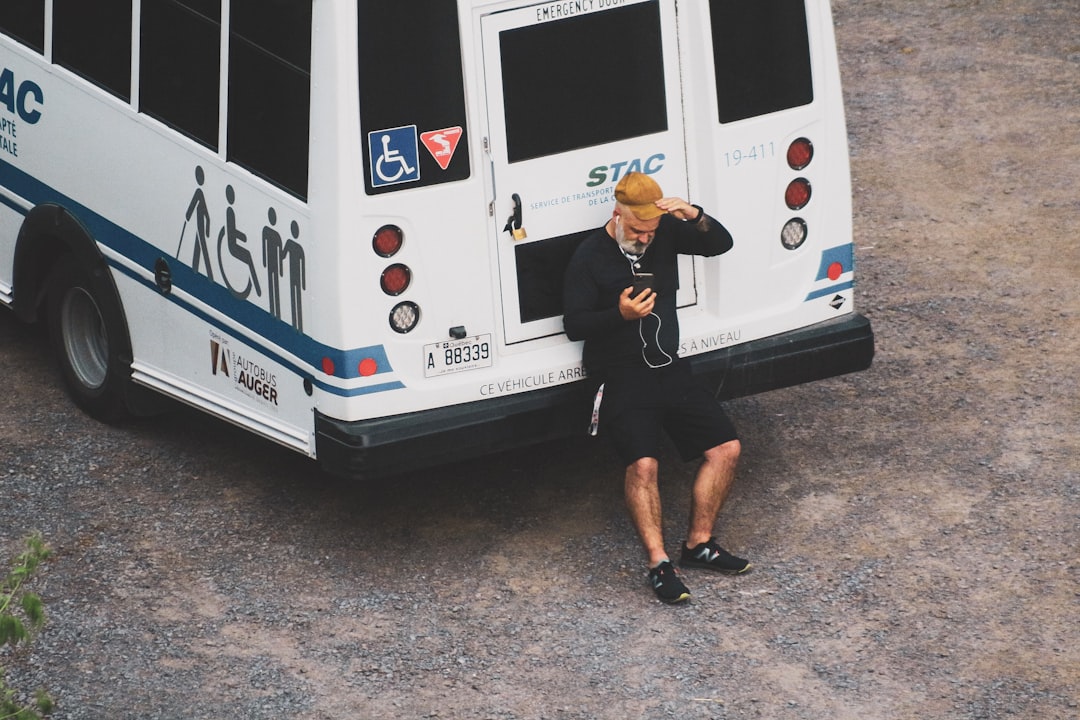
(395, 156)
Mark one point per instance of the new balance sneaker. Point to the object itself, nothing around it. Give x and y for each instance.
(666, 583)
(712, 556)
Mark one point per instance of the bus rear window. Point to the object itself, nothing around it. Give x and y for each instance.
(560, 89)
(761, 51)
(411, 75)
(24, 20)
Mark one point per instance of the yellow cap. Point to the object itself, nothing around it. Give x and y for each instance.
(639, 192)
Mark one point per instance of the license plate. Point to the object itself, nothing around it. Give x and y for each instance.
(451, 356)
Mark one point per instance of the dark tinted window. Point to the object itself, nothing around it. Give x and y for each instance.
(762, 56)
(270, 89)
(179, 65)
(541, 267)
(281, 28)
(93, 39)
(410, 74)
(24, 20)
(560, 88)
(206, 8)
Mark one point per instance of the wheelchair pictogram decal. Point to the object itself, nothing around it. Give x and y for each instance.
(395, 156)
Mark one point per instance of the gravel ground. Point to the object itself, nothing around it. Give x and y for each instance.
(914, 528)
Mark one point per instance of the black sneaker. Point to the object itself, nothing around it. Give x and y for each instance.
(666, 583)
(712, 556)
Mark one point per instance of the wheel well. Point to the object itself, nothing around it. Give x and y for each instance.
(48, 234)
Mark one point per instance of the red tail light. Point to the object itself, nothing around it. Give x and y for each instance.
(800, 153)
(797, 194)
(395, 279)
(388, 240)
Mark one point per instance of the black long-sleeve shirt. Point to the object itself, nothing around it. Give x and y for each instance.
(598, 273)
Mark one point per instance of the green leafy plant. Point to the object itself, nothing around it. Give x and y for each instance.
(21, 614)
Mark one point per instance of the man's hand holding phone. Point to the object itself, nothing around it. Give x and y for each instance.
(637, 301)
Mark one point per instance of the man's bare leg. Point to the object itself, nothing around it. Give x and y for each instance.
(643, 501)
(711, 488)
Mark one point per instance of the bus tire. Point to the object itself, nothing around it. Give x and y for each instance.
(90, 339)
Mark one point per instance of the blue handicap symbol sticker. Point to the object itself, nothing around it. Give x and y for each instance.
(395, 156)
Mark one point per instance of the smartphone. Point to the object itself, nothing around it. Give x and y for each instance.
(642, 281)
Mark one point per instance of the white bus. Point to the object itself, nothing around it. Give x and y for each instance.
(343, 224)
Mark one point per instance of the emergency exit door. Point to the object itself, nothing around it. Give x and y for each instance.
(578, 94)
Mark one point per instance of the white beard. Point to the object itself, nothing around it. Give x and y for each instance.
(631, 247)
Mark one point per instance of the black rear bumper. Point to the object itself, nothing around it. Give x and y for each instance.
(381, 446)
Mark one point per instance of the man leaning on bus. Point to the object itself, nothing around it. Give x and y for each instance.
(631, 349)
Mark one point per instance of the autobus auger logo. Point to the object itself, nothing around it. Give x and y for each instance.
(247, 376)
(219, 358)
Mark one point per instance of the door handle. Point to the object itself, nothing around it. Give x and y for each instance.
(513, 223)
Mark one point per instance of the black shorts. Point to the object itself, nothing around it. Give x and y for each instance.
(640, 403)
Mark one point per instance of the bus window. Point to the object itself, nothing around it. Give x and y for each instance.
(179, 65)
(427, 91)
(24, 20)
(270, 90)
(538, 95)
(762, 57)
(94, 40)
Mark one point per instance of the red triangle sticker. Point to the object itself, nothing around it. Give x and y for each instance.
(442, 144)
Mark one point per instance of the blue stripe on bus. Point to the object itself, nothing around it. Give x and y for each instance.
(267, 352)
(217, 297)
(830, 290)
(843, 254)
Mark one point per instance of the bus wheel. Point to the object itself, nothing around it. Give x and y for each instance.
(90, 339)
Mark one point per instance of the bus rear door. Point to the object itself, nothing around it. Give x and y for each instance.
(578, 94)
